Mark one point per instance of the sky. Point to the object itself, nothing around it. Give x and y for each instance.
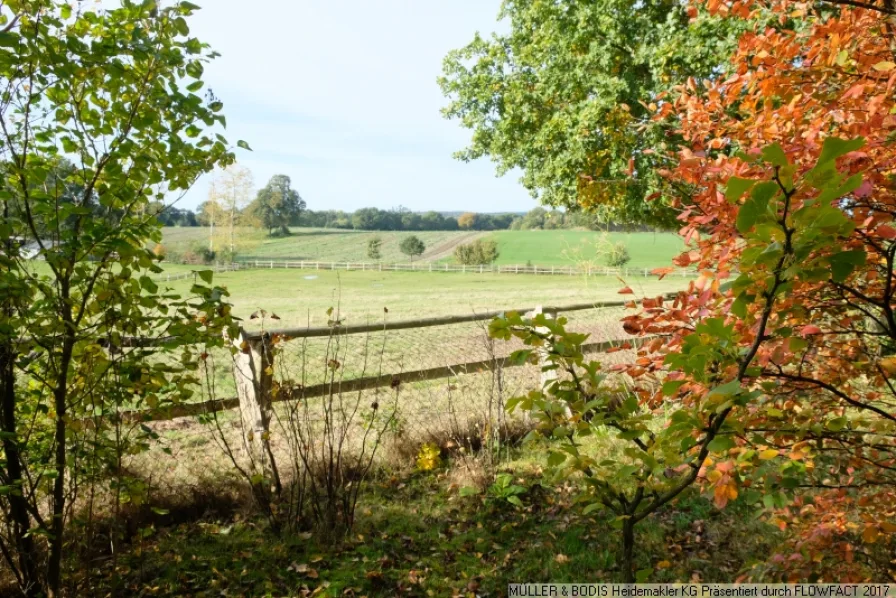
(341, 96)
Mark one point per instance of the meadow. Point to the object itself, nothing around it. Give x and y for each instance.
(570, 247)
(302, 297)
(539, 247)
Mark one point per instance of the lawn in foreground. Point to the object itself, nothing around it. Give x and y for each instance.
(416, 536)
(557, 247)
(302, 297)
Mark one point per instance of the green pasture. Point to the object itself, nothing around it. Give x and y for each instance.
(312, 244)
(571, 247)
(540, 247)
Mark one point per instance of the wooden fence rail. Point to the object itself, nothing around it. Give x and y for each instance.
(253, 359)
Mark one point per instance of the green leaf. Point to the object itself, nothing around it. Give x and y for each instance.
(726, 390)
(755, 207)
(243, 145)
(736, 187)
(670, 387)
(515, 500)
(843, 263)
(181, 26)
(556, 458)
(627, 470)
(8, 40)
(642, 575)
(206, 275)
(468, 491)
(721, 444)
(774, 154)
(834, 147)
(836, 424)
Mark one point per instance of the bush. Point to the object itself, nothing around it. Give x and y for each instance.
(374, 247)
(617, 255)
(207, 255)
(477, 253)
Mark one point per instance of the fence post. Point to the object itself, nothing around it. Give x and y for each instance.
(253, 376)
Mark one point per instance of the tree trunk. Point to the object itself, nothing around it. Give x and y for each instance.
(60, 397)
(628, 550)
(18, 509)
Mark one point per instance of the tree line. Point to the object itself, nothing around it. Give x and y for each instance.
(278, 219)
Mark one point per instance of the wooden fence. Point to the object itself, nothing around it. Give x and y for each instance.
(253, 360)
(270, 264)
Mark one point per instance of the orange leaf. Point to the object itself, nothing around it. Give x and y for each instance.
(626, 291)
(887, 232)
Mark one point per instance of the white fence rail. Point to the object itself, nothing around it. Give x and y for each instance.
(434, 267)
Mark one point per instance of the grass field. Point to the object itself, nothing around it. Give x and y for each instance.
(542, 248)
(300, 297)
(559, 247)
(320, 244)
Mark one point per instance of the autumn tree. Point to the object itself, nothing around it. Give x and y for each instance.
(230, 193)
(565, 95)
(467, 220)
(213, 215)
(775, 364)
(116, 90)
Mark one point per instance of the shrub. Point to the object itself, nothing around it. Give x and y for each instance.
(477, 253)
(207, 255)
(617, 255)
(374, 247)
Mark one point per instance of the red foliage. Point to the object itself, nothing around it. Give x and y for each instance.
(828, 392)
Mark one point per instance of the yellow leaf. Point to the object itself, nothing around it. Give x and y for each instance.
(888, 364)
(663, 565)
(888, 527)
(884, 66)
(768, 454)
(870, 534)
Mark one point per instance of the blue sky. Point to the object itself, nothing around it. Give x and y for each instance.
(342, 97)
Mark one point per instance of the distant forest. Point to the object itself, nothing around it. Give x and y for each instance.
(405, 220)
